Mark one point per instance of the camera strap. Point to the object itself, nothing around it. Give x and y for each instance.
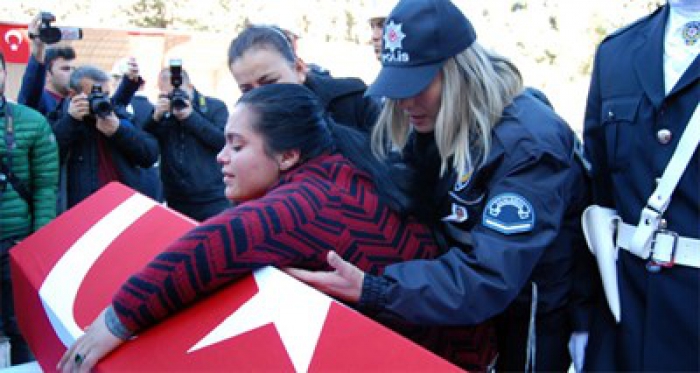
(6, 168)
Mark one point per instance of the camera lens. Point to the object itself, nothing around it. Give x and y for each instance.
(101, 108)
(178, 99)
(99, 103)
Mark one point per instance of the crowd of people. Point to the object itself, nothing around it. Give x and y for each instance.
(483, 181)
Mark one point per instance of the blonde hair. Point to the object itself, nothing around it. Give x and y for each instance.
(477, 85)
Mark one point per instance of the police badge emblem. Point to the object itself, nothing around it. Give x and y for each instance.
(393, 39)
(691, 32)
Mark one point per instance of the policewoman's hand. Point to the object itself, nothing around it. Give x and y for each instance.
(344, 283)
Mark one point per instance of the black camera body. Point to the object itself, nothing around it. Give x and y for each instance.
(51, 35)
(178, 97)
(100, 105)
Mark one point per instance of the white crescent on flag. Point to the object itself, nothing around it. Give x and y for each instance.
(67, 275)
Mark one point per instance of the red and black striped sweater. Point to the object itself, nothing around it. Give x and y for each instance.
(325, 204)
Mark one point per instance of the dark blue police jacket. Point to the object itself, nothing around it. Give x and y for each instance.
(627, 107)
(513, 227)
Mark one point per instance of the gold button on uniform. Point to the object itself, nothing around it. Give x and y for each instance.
(664, 136)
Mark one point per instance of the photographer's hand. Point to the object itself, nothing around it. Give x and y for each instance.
(108, 125)
(38, 48)
(162, 106)
(184, 113)
(133, 73)
(79, 107)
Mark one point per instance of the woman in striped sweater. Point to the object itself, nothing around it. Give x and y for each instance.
(303, 186)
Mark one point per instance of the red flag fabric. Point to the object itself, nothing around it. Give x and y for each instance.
(66, 273)
(14, 43)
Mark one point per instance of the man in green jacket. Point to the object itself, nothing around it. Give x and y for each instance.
(28, 183)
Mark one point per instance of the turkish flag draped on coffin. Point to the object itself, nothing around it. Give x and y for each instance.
(67, 272)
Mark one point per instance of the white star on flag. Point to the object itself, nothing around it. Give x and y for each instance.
(297, 311)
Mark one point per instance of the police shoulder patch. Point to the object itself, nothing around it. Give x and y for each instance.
(509, 213)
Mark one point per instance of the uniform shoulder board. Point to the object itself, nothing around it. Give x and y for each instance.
(630, 26)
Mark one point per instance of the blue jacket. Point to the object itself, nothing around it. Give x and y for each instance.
(32, 92)
(131, 148)
(188, 167)
(513, 229)
(627, 107)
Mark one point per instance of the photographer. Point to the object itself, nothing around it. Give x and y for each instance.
(97, 142)
(46, 79)
(190, 131)
(129, 84)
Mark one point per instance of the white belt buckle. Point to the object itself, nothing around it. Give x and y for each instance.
(663, 250)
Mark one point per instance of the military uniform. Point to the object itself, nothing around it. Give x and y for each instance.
(632, 127)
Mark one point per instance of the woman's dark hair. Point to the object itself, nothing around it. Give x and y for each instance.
(290, 116)
(261, 37)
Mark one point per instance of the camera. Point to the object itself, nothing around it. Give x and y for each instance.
(178, 97)
(99, 103)
(51, 35)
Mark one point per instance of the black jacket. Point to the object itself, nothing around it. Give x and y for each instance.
(513, 229)
(132, 151)
(344, 100)
(188, 166)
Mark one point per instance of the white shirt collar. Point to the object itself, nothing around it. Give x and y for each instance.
(678, 17)
(677, 54)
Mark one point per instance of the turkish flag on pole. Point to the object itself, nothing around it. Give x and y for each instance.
(67, 272)
(14, 43)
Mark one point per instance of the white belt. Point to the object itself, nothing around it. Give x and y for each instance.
(666, 248)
